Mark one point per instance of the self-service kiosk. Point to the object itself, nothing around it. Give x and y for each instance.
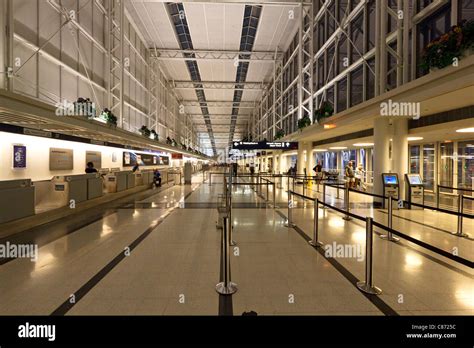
(414, 190)
(391, 188)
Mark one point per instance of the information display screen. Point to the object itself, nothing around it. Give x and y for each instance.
(415, 179)
(390, 179)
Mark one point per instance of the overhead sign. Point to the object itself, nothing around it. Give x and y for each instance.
(177, 156)
(264, 145)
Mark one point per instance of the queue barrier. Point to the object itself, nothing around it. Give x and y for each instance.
(367, 285)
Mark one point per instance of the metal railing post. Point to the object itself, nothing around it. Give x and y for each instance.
(267, 196)
(315, 242)
(459, 232)
(389, 236)
(231, 227)
(367, 286)
(437, 196)
(304, 188)
(324, 195)
(210, 178)
(346, 202)
(226, 287)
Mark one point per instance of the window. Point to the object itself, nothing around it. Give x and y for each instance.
(466, 164)
(371, 25)
(357, 37)
(342, 61)
(414, 159)
(431, 28)
(428, 165)
(370, 82)
(342, 95)
(446, 166)
(356, 89)
(466, 10)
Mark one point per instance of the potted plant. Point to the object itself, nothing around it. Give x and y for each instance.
(109, 117)
(456, 43)
(303, 122)
(326, 110)
(154, 135)
(145, 131)
(279, 134)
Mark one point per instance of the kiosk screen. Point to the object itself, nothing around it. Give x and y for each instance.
(415, 179)
(390, 180)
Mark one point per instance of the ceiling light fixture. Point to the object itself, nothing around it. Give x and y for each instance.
(363, 144)
(329, 126)
(466, 130)
(338, 148)
(320, 150)
(414, 138)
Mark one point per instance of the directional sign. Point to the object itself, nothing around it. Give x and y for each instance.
(264, 145)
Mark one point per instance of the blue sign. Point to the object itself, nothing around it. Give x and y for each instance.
(19, 156)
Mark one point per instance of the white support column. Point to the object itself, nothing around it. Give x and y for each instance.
(400, 151)
(6, 43)
(382, 135)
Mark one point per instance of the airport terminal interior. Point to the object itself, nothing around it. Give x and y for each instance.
(237, 157)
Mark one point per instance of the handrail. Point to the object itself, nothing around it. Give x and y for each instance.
(391, 230)
(454, 188)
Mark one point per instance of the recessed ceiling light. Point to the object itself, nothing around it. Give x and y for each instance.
(329, 126)
(363, 144)
(338, 147)
(414, 138)
(466, 130)
(320, 150)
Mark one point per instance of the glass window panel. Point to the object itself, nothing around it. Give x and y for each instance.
(466, 9)
(446, 166)
(414, 159)
(428, 165)
(356, 92)
(466, 164)
(342, 95)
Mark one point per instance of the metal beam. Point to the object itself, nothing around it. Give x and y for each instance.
(219, 104)
(292, 3)
(256, 86)
(236, 56)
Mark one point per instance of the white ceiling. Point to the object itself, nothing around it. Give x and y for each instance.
(215, 26)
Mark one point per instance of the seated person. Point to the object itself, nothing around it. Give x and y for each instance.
(90, 168)
(157, 178)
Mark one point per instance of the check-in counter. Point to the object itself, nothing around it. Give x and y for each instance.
(116, 181)
(94, 185)
(130, 180)
(17, 199)
(147, 176)
(138, 178)
(72, 187)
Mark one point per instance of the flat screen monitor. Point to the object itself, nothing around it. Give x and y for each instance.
(415, 179)
(390, 179)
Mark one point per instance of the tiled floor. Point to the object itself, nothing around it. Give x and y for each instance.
(174, 263)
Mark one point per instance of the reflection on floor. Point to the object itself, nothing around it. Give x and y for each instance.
(160, 254)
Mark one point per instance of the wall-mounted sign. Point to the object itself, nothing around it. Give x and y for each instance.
(94, 157)
(61, 159)
(264, 145)
(176, 156)
(19, 156)
(143, 159)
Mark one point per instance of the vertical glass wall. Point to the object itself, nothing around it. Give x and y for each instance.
(446, 166)
(414, 159)
(466, 165)
(428, 165)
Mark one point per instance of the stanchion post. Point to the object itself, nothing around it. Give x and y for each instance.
(231, 227)
(226, 287)
(210, 178)
(367, 286)
(459, 232)
(346, 202)
(274, 195)
(315, 242)
(389, 236)
(267, 197)
(437, 196)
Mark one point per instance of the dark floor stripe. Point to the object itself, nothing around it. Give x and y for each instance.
(376, 301)
(83, 290)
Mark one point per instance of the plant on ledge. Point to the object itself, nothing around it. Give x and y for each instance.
(154, 135)
(279, 134)
(109, 117)
(326, 110)
(169, 141)
(174, 143)
(145, 131)
(456, 43)
(303, 122)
